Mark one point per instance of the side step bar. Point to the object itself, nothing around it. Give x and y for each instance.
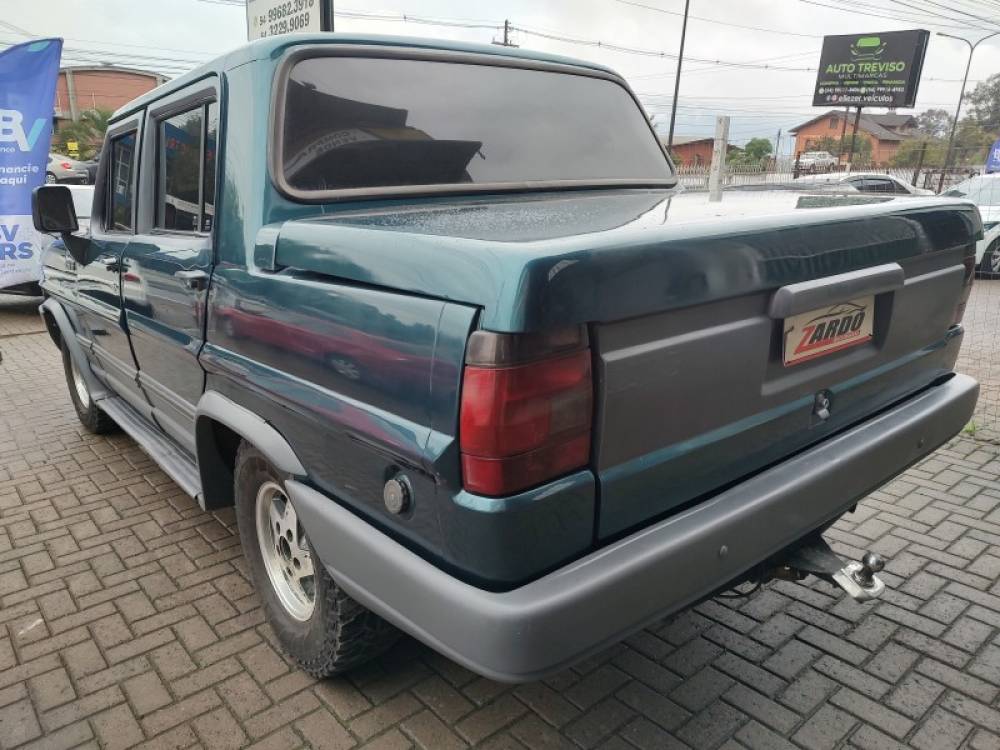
(178, 465)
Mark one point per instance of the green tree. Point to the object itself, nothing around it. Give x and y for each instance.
(754, 152)
(984, 104)
(972, 142)
(908, 154)
(88, 131)
(935, 123)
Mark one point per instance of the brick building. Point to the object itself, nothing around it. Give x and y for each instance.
(83, 87)
(693, 150)
(885, 132)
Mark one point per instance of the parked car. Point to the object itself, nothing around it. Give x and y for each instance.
(984, 191)
(817, 161)
(484, 374)
(866, 182)
(65, 170)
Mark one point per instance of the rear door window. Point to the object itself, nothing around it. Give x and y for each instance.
(187, 145)
(121, 186)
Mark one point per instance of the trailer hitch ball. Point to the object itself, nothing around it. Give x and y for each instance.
(871, 563)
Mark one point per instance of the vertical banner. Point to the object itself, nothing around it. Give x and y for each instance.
(993, 160)
(28, 75)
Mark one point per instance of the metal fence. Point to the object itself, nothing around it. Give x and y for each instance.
(783, 171)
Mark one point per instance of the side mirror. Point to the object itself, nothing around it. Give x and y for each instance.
(52, 211)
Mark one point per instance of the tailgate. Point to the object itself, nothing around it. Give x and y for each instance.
(692, 400)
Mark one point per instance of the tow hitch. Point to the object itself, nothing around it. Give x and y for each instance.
(814, 556)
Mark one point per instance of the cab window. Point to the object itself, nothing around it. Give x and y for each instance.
(186, 169)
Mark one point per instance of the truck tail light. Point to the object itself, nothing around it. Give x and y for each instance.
(526, 409)
(970, 275)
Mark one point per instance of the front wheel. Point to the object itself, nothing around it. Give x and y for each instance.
(989, 266)
(50, 178)
(91, 416)
(315, 621)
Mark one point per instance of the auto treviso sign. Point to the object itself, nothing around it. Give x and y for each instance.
(871, 70)
(270, 17)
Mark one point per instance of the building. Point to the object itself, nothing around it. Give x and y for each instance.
(884, 132)
(83, 87)
(694, 150)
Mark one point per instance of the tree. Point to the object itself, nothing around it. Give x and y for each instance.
(984, 104)
(754, 152)
(88, 132)
(972, 142)
(935, 123)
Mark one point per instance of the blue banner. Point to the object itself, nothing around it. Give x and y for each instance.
(993, 160)
(28, 75)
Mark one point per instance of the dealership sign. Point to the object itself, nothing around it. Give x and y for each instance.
(271, 17)
(871, 70)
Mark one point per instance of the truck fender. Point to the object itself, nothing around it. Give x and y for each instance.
(216, 454)
(52, 312)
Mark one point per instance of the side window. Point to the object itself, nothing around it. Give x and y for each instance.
(899, 188)
(121, 187)
(185, 196)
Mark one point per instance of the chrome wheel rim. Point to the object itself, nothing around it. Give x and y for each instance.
(79, 384)
(995, 259)
(285, 550)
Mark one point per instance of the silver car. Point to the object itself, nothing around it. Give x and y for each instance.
(66, 170)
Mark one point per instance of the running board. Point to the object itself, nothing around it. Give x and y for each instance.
(174, 461)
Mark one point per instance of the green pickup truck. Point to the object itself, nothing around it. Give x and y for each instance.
(439, 321)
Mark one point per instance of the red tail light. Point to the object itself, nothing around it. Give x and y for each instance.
(526, 410)
(66, 165)
(970, 275)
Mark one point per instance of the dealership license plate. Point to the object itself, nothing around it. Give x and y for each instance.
(830, 329)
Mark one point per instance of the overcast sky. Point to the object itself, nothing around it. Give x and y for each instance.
(173, 35)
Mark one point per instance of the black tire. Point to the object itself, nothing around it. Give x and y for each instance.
(339, 634)
(50, 179)
(89, 413)
(989, 266)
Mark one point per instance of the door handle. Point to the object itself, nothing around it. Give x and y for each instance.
(195, 280)
(114, 265)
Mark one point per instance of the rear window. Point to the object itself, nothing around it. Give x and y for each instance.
(384, 123)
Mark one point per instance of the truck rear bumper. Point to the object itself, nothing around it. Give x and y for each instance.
(548, 624)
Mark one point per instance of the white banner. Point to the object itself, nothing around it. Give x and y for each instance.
(20, 251)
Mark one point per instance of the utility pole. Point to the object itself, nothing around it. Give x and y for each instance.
(506, 35)
(677, 78)
(961, 95)
(843, 133)
(854, 138)
(777, 150)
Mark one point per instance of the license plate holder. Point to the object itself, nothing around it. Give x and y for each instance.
(817, 333)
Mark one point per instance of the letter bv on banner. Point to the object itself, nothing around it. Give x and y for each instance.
(28, 74)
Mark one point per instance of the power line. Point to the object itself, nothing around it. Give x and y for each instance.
(716, 21)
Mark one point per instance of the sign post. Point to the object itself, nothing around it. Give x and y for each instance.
(28, 74)
(271, 17)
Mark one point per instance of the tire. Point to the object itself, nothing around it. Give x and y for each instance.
(989, 266)
(50, 179)
(89, 413)
(335, 633)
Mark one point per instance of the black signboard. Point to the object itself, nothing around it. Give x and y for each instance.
(871, 70)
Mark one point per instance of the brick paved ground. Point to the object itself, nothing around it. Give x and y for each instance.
(126, 618)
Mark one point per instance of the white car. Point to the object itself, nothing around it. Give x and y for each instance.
(984, 191)
(866, 182)
(817, 161)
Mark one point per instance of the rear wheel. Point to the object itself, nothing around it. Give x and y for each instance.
(50, 178)
(315, 621)
(90, 414)
(989, 266)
